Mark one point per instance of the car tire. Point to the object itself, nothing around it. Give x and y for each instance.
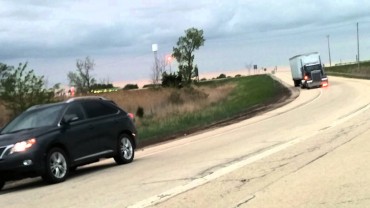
(56, 166)
(125, 150)
(2, 184)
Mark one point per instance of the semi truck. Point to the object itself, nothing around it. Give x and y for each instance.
(307, 71)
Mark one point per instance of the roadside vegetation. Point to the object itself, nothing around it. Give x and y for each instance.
(350, 70)
(166, 112)
(162, 113)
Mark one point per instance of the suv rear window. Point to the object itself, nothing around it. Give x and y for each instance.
(95, 109)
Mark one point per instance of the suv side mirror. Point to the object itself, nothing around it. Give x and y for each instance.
(70, 118)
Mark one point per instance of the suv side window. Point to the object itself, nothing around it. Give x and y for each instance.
(75, 109)
(96, 108)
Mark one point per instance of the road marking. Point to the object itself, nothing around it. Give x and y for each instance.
(216, 174)
(151, 201)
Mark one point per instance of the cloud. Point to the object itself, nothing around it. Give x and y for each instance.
(40, 30)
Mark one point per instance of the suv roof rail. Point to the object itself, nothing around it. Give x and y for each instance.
(86, 98)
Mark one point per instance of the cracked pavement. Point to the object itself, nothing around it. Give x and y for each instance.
(330, 169)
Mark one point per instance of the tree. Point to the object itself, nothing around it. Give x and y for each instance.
(82, 78)
(21, 89)
(4, 69)
(184, 52)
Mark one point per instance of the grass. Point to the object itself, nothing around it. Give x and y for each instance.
(4, 115)
(350, 70)
(169, 111)
(246, 93)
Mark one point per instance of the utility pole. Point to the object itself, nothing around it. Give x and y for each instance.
(156, 71)
(358, 50)
(328, 36)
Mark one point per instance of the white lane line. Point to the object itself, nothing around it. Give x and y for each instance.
(151, 201)
(216, 174)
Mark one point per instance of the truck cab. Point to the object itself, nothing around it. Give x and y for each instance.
(313, 76)
(307, 71)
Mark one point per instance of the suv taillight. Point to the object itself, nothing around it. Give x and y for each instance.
(131, 115)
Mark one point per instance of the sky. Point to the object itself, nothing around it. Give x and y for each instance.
(118, 35)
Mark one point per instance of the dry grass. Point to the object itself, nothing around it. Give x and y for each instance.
(4, 116)
(160, 103)
(164, 102)
(168, 111)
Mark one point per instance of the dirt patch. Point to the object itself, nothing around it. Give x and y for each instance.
(285, 96)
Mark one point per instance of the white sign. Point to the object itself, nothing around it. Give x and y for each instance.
(154, 47)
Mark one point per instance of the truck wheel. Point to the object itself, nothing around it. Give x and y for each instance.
(296, 83)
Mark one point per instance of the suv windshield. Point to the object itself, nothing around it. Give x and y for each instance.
(34, 119)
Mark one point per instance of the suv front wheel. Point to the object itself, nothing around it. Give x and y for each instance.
(57, 166)
(125, 152)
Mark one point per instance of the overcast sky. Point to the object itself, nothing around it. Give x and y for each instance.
(118, 35)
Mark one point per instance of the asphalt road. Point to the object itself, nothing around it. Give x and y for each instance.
(310, 153)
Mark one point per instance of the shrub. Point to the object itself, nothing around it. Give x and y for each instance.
(131, 87)
(101, 86)
(140, 112)
(238, 75)
(221, 76)
(171, 80)
(151, 86)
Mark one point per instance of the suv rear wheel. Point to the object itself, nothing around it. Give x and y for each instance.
(125, 153)
(57, 166)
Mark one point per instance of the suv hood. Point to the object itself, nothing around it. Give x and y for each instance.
(12, 138)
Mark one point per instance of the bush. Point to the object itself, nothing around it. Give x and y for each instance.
(171, 80)
(101, 86)
(238, 75)
(152, 86)
(222, 76)
(140, 112)
(131, 87)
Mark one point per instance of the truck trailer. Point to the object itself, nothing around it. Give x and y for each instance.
(307, 71)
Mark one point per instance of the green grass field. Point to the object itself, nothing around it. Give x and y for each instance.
(351, 70)
(249, 92)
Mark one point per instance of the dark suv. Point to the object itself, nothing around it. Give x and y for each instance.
(50, 140)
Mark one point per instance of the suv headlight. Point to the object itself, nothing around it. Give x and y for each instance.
(23, 145)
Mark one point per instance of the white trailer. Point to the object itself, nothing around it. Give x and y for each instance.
(307, 70)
